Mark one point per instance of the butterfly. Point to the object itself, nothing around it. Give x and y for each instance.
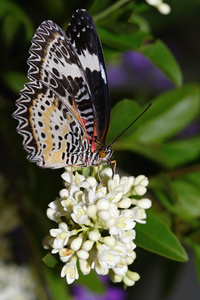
(64, 110)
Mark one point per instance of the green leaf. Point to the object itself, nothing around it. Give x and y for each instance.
(161, 57)
(187, 204)
(50, 260)
(9, 7)
(152, 152)
(58, 289)
(10, 26)
(122, 42)
(180, 196)
(193, 175)
(170, 113)
(98, 5)
(122, 20)
(14, 80)
(141, 22)
(168, 154)
(177, 153)
(156, 237)
(122, 114)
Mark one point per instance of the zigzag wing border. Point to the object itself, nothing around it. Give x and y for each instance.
(21, 114)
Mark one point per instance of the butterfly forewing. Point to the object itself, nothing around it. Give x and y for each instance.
(84, 37)
(54, 61)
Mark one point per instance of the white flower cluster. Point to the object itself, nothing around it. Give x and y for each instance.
(163, 8)
(96, 224)
(16, 282)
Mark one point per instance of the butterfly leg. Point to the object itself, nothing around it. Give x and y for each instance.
(98, 172)
(113, 165)
(72, 179)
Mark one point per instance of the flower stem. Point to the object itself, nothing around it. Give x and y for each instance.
(109, 10)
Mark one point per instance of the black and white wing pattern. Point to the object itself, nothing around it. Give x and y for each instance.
(84, 37)
(64, 111)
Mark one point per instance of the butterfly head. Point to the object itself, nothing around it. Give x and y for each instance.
(103, 154)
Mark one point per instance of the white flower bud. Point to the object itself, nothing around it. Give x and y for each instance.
(74, 189)
(84, 267)
(94, 235)
(91, 211)
(78, 196)
(133, 254)
(109, 241)
(82, 254)
(92, 181)
(121, 271)
(84, 185)
(127, 281)
(76, 243)
(101, 191)
(116, 278)
(64, 193)
(133, 275)
(103, 203)
(111, 185)
(140, 190)
(164, 8)
(144, 203)
(51, 214)
(102, 271)
(104, 215)
(107, 172)
(111, 222)
(141, 180)
(66, 177)
(125, 203)
(152, 2)
(116, 196)
(91, 196)
(87, 245)
(129, 260)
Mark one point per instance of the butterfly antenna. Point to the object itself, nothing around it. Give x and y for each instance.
(131, 123)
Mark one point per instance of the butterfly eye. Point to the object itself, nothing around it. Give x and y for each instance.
(102, 153)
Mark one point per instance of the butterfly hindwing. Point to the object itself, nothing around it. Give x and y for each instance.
(52, 134)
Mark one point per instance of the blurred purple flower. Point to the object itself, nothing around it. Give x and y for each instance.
(111, 293)
(136, 72)
(116, 76)
(191, 130)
